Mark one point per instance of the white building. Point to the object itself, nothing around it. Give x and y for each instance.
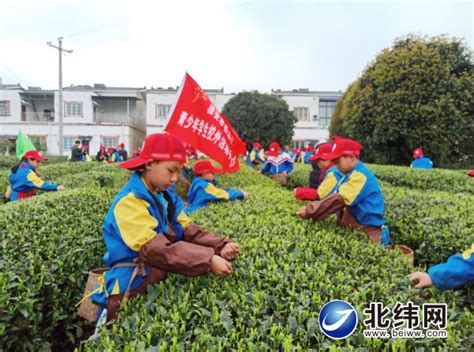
(112, 115)
(312, 108)
(93, 114)
(160, 100)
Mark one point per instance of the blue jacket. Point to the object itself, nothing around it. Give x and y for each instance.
(362, 195)
(254, 155)
(203, 192)
(308, 155)
(115, 157)
(25, 180)
(422, 163)
(133, 220)
(277, 165)
(456, 272)
(329, 182)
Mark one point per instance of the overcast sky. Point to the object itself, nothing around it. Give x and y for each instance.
(236, 44)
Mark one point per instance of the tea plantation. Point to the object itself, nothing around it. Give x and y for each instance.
(288, 267)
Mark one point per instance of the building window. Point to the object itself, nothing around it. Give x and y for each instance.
(326, 109)
(161, 111)
(68, 142)
(301, 113)
(4, 108)
(110, 141)
(73, 108)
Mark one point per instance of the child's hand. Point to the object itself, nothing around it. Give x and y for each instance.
(220, 266)
(302, 213)
(60, 188)
(246, 195)
(424, 280)
(230, 251)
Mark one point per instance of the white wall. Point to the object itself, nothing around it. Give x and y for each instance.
(157, 98)
(130, 136)
(87, 107)
(15, 105)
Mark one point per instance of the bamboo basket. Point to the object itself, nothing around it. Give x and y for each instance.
(87, 309)
(407, 252)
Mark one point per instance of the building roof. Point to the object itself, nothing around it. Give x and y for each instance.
(174, 90)
(306, 91)
(102, 87)
(11, 87)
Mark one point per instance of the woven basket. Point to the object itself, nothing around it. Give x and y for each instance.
(281, 179)
(407, 252)
(87, 309)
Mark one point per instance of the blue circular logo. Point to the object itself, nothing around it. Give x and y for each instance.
(338, 319)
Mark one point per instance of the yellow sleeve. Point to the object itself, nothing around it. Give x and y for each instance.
(351, 189)
(216, 192)
(327, 185)
(467, 253)
(252, 155)
(184, 220)
(34, 179)
(135, 223)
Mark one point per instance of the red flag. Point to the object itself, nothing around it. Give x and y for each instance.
(196, 121)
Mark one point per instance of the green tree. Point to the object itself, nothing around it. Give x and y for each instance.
(419, 93)
(260, 117)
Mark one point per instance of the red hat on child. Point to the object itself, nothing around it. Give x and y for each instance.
(34, 154)
(417, 153)
(205, 166)
(273, 149)
(321, 150)
(471, 173)
(257, 145)
(159, 147)
(343, 146)
(110, 150)
(121, 145)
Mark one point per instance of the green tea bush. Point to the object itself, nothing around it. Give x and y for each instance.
(47, 244)
(288, 269)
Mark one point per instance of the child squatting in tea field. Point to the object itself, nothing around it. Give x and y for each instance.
(147, 234)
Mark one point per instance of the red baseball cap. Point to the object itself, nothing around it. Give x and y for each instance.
(159, 147)
(273, 149)
(417, 153)
(121, 145)
(343, 146)
(34, 154)
(321, 150)
(471, 173)
(257, 145)
(205, 166)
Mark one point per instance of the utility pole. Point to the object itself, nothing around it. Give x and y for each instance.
(60, 93)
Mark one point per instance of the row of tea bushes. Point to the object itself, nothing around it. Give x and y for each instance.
(288, 269)
(452, 181)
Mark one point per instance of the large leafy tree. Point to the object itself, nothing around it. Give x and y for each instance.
(260, 117)
(419, 93)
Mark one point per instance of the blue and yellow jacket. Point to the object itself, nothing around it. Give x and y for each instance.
(422, 163)
(203, 192)
(362, 195)
(25, 181)
(308, 155)
(456, 272)
(330, 180)
(253, 155)
(115, 157)
(277, 165)
(134, 219)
